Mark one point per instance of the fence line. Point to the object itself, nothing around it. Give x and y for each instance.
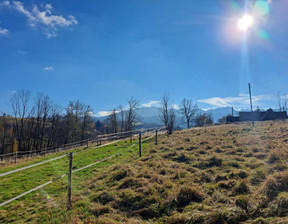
(56, 158)
(26, 167)
(104, 137)
(46, 161)
(63, 175)
(34, 189)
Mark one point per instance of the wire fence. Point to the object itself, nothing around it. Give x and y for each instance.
(146, 135)
(97, 140)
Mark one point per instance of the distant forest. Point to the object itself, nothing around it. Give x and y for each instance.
(37, 123)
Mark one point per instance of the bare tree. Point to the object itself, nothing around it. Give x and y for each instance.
(131, 116)
(19, 102)
(42, 111)
(6, 134)
(112, 121)
(122, 117)
(167, 113)
(55, 131)
(188, 110)
(87, 120)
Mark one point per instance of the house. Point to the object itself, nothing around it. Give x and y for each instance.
(257, 116)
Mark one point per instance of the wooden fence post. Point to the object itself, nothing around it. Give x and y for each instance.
(69, 203)
(156, 137)
(16, 157)
(140, 145)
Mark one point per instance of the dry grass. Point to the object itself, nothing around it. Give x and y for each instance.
(221, 174)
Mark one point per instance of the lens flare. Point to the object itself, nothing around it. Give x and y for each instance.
(263, 34)
(245, 22)
(262, 7)
(235, 6)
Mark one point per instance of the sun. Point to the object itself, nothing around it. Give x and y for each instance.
(245, 22)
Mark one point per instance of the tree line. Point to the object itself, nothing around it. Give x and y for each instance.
(37, 123)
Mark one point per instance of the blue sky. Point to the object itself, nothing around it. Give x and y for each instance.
(104, 51)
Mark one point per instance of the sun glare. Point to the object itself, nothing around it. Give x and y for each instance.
(245, 22)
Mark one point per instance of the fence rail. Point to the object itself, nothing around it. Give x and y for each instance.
(149, 134)
(98, 140)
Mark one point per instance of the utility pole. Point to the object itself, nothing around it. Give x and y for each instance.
(232, 112)
(250, 97)
(249, 86)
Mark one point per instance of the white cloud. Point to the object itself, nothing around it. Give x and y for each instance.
(151, 103)
(105, 113)
(5, 3)
(44, 19)
(50, 68)
(241, 100)
(176, 106)
(3, 31)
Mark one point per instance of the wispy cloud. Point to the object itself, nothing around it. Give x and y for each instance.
(50, 68)
(3, 31)
(176, 106)
(105, 113)
(21, 52)
(151, 104)
(240, 101)
(43, 19)
(5, 3)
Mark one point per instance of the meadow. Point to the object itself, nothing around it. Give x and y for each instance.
(219, 174)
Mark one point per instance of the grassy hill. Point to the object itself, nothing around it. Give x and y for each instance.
(220, 174)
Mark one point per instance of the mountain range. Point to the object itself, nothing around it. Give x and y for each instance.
(150, 116)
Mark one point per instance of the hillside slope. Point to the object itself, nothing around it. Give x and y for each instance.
(220, 174)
